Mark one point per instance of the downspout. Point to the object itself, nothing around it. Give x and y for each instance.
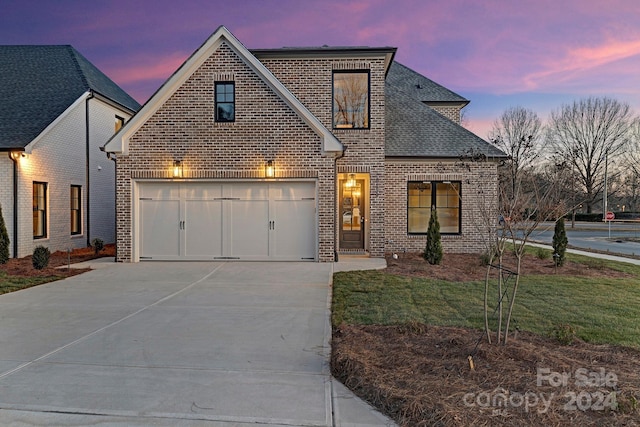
(15, 205)
(335, 203)
(115, 200)
(88, 169)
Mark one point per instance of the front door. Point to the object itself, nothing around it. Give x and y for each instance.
(352, 211)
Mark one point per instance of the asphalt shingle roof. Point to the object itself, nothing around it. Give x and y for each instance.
(38, 83)
(413, 129)
(419, 87)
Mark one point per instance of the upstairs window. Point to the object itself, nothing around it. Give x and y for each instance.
(39, 210)
(351, 100)
(75, 207)
(444, 196)
(225, 101)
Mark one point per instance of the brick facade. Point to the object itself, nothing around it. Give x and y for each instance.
(479, 192)
(180, 125)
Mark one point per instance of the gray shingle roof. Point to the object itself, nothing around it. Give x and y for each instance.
(413, 129)
(38, 83)
(419, 87)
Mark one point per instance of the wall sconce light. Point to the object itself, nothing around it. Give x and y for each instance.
(15, 155)
(177, 169)
(269, 170)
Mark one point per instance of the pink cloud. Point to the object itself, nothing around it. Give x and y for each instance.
(151, 69)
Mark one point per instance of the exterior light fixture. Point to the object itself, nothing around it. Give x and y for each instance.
(351, 182)
(177, 169)
(15, 155)
(269, 170)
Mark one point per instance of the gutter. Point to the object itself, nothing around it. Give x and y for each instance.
(87, 168)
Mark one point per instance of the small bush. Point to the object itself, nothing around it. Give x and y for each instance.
(485, 258)
(4, 240)
(565, 334)
(40, 257)
(97, 244)
(433, 251)
(559, 243)
(542, 253)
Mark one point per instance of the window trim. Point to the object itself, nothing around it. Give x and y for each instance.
(217, 118)
(45, 185)
(76, 212)
(433, 203)
(333, 98)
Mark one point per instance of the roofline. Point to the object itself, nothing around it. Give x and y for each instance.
(29, 147)
(7, 149)
(448, 103)
(425, 158)
(113, 102)
(329, 52)
(330, 142)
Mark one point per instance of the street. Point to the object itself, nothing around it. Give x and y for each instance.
(623, 237)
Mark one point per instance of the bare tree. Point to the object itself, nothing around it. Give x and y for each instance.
(518, 133)
(588, 134)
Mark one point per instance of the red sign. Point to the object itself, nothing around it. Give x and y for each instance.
(610, 216)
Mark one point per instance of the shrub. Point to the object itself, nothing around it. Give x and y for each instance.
(97, 244)
(560, 242)
(4, 240)
(542, 253)
(565, 334)
(40, 257)
(433, 250)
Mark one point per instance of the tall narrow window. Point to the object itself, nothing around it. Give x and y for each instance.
(351, 99)
(119, 123)
(444, 196)
(39, 210)
(225, 102)
(75, 208)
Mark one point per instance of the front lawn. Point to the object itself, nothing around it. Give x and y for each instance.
(402, 338)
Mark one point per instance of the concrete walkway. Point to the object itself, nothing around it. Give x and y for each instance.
(176, 344)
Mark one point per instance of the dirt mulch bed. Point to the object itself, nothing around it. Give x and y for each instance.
(468, 267)
(23, 267)
(420, 376)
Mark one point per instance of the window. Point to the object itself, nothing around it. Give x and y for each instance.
(225, 102)
(76, 211)
(444, 195)
(119, 123)
(351, 100)
(39, 210)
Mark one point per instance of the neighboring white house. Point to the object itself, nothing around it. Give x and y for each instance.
(57, 189)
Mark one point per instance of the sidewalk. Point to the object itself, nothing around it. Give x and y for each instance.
(590, 254)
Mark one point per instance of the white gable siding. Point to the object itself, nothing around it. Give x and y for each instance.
(59, 159)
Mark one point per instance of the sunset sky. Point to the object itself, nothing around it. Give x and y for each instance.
(537, 54)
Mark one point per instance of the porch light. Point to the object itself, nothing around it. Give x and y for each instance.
(351, 182)
(177, 169)
(269, 170)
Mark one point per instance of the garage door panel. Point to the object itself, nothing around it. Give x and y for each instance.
(249, 229)
(237, 220)
(203, 229)
(202, 191)
(247, 191)
(294, 236)
(160, 231)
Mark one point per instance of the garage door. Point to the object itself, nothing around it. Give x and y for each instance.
(240, 220)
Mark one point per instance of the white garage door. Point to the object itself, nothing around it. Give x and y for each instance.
(240, 220)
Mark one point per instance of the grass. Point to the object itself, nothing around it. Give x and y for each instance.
(601, 310)
(9, 283)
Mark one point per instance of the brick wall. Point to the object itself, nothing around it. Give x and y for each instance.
(452, 112)
(265, 129)
(479, 201)
(364, 147)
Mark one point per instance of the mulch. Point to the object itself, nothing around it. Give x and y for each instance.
(420, 375)
(23, 267)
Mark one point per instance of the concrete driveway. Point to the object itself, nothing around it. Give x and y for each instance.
(175, 344)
